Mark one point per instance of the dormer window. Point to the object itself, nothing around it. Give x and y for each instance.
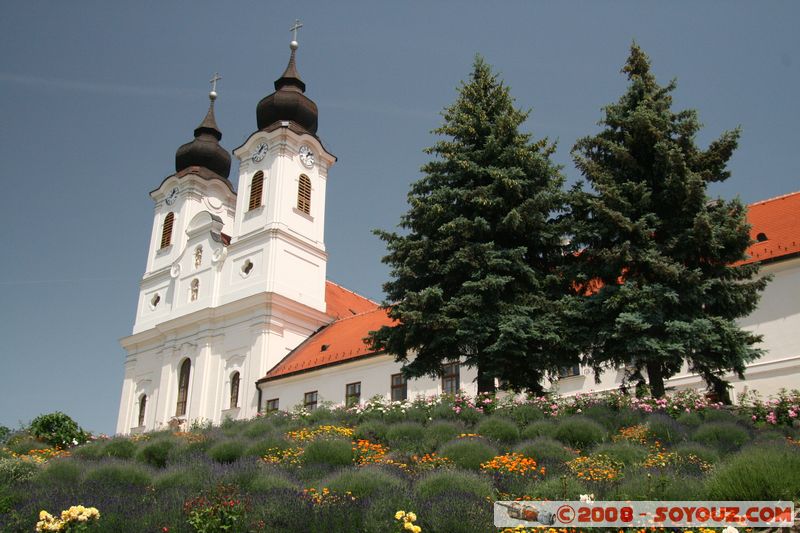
(304, 194)
(256, 191)
(166, 232)
(761, 237)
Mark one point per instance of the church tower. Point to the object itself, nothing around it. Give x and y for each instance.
(232, 282)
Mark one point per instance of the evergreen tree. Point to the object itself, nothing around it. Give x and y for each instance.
(655, 259)
(473, 272)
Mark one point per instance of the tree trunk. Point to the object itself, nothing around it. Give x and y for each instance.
(655, 376)
(485, 382)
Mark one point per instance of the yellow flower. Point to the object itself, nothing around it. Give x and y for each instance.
(409, 526)
(399, 514)
(416, 529)
(411, 517)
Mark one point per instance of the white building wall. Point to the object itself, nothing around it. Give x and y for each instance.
(373, 372)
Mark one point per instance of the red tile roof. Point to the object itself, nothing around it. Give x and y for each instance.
(342, 303)
(778, 219)
(338, 342)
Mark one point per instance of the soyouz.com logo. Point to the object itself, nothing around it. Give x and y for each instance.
(643, 514)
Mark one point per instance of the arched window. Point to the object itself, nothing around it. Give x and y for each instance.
(183, 387)
(194, 291)
(234, 390)
(166, 232)
(256, 191)
(142, 406)
(304, 194)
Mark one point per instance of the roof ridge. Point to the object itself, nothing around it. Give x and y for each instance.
(352, 292)
(780, 197)
(362, 313)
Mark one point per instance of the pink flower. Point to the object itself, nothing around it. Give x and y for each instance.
(754, 417)
(792, 414)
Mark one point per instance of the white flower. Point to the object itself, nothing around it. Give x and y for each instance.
(730, 529)
(589, 498)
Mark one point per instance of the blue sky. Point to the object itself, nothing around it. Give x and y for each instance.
(95, 97)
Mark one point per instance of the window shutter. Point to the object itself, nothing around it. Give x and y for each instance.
(256, 191)
(304, 194)
(166, 234)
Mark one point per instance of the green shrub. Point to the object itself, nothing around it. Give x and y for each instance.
(63, 472)
(770, 436)
(23, 443)
(16, 470)
(364, 482)
(540, 428)
(445, 481)
(498, 429)
(719, 415)
(120, 448)
(260, 448)
(57, 429)
(406, 436)
(579, 432)
(725, 436)
(627, 453)
(604, 416)
(640, 485)
(625, 417)
(258, 428)
(320, 415)
(764, 472)
(371, 430)
(468, 453)
(121, 475)
(545, 449)
(269, 481)
(334, 452)
(227, 451)
(524, 414)
(686, 449)
(156, 453)
(690, 420)
(5, 433)
(188, 479)
(91, 452)
(665, 429)
(438, 433)
(558, 488)
(455, 512)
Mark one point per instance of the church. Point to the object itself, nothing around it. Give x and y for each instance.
(235, 315)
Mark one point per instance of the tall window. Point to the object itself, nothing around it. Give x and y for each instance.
(399, 388)
(310, 400)
(304, 194)
(256, 191)
(166, 232)
(272, 405)
(183, 387)
(235, 390)
(450, 378)
(142, 407)
(352, 394)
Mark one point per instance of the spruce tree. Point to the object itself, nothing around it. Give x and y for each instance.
(655, 258)
(473, 273)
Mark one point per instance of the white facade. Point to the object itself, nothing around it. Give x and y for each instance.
(229, 308)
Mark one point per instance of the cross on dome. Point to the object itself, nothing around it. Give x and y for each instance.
(213, 81)
(296, 26)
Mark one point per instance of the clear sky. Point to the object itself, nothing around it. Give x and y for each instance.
(95, 97)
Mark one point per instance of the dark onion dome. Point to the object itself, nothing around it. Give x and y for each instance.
(205, 151)
(288, 103)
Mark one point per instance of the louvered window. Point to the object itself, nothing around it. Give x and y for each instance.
(142, 406)
(235, 390)
(166, 233)
(183, 388)
(304, 194)
(256, 191)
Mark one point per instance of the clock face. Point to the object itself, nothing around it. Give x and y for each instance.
(260, 153)
(306, 156)
(173, 195)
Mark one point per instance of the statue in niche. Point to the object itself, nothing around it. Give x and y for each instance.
(194, 290)
(198, 256)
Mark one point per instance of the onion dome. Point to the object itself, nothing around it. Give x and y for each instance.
(205, 151)
(288, 103)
